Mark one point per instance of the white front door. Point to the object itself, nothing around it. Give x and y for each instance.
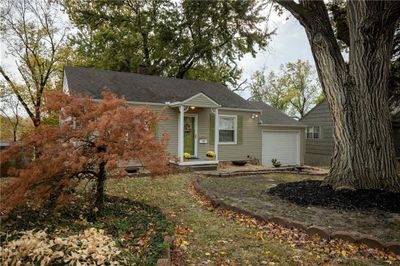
(281, 145)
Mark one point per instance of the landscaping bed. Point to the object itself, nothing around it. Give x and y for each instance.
(205, 235)
(314, 193)
(137, 229)
(251, 193)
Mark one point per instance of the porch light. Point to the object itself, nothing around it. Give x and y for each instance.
(192, 107)
(253, 116)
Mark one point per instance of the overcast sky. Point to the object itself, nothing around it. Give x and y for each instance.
(288, 45)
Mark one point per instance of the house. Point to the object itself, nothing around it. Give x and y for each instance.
(244, 130)
(319, 142)
(282, 137)
(4, 144)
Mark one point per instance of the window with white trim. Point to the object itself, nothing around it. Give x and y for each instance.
(314, 132)
(227, 129)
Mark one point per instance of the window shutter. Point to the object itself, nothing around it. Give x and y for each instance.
(212, 129)
(239, 129)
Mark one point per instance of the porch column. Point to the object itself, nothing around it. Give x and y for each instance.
(216, 134)
(180, 132)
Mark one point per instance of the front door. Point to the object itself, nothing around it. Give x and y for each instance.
(189, 135)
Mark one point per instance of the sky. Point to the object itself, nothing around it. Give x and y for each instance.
(288, 44)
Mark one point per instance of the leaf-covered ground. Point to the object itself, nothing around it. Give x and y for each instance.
(205, 236)
(137, 228)
(251, 192)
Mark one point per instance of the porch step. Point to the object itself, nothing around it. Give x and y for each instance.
(202, 167)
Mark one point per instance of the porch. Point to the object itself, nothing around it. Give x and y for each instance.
(194, 142)
(197, 164)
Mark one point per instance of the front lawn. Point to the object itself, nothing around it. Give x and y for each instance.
(137, 229)
(205, 236)
(251, 192)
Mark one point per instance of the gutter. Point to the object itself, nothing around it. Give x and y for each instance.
(282, 125)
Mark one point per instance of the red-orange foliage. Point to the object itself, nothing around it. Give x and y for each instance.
(95, 139)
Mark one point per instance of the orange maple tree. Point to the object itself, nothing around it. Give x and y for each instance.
(95, 139)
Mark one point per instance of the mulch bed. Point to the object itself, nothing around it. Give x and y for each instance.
(313, 193)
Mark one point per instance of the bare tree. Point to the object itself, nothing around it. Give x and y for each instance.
(10, 109)
(33, 36)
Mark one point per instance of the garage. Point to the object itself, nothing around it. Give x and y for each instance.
(283, 145)
(282, 136)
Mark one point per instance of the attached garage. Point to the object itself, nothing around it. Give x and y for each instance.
(283, 138)
(283, 145)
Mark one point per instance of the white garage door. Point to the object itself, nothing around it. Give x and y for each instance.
(282, 145)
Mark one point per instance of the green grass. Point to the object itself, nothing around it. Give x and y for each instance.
(214, 239)
(137, 228)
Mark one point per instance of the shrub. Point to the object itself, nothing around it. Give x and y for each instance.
(93, 247)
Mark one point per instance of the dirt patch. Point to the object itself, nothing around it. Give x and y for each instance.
(229, 166)
(312, 192)
(250, 192)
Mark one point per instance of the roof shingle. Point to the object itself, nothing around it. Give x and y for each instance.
(147, 88)
(273, 116)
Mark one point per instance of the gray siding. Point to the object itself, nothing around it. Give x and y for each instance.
(169, 126)
(201, 100)
(319, 151)
(251, 145)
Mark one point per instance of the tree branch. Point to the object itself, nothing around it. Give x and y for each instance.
(297, 10)
(15, 90)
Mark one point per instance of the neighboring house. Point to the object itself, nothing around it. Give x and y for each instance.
(191, 107)
(4, 144)
(319, 135)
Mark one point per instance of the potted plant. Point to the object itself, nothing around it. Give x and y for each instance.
(186, 156)
(210, 155)
(275, 162)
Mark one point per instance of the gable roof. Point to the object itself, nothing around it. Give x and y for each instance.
(272, 116)
(395, 114)
(147, 88)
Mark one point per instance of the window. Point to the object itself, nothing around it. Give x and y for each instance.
(227, 129)
(313, 132)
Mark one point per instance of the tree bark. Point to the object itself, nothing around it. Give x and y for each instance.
(364, 154)
(357, 92)
(101, 178)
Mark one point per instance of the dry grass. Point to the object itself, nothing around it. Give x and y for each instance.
(210, 239)
(250, 192)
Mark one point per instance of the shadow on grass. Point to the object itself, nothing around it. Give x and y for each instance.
(138, 229)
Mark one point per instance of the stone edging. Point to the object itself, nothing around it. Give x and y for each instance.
(287, 170)
(310, 230)
(165, 260)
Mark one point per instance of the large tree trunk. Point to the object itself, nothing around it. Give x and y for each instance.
(357, 92)
(364, 152)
